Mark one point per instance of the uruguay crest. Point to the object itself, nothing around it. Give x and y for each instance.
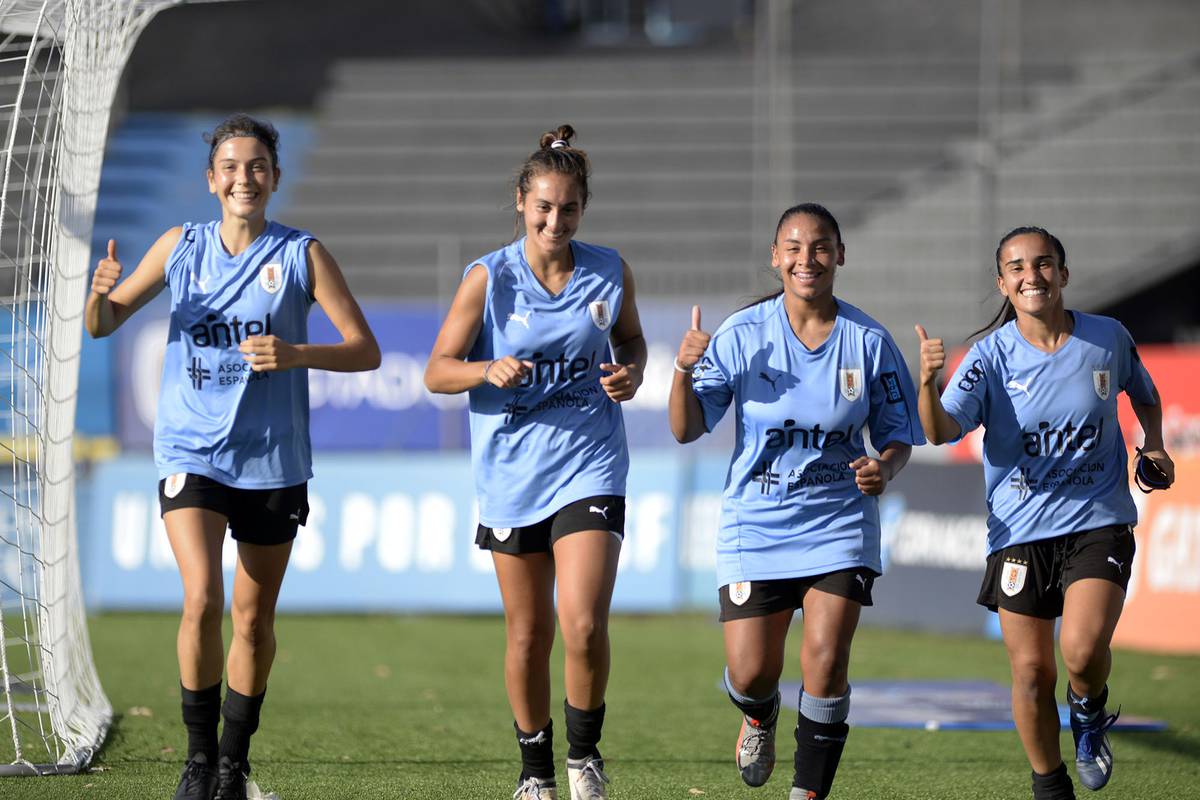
(502, 534)
(1100, 383)
(1012, 579)
(173, 485)
(739, 592)
(850, 383)
(270, 278)
(601, 314)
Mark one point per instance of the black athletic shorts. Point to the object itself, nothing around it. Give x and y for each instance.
(1032, 578)
(604, 512)
(256, 516)
(760, 598)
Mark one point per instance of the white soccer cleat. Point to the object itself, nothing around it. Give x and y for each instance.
(755, 751)
(586, 778)
(536, 789)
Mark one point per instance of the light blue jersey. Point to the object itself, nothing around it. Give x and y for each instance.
(1053, 453)
(216, 417)
(791, 506)
(556, 438)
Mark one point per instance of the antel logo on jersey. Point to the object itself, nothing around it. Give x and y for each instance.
(557, 369)
(227, 334)
(814, 438)
(1048, 441)
(971, 377)
(270, 278)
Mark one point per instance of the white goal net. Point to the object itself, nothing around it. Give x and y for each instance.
(60, 61)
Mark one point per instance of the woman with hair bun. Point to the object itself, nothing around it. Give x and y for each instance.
(544, 334)
(231, 439)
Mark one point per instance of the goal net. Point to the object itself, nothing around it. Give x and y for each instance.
(60, 61)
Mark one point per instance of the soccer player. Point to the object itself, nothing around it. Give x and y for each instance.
(1044, 385)
(231, 438)
(528, 336)
(799, 526)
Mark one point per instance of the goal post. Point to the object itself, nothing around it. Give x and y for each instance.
(60, 63)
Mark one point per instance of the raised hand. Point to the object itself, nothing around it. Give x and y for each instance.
(108, 271)
(933, 357)
(507, 372)
(694, 343)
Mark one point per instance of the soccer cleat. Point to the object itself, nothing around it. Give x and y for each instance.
(755, 751)
(231, 779)
(536, 789)
(1093, 754)
(586, 778)
(802, 794)
(198, 781)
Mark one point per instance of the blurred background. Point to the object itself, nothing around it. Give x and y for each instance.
(927, 130)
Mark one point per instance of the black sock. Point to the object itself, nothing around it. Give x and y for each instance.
(201, 714)
(1084, 707)
(241, 715)
(818, 751)
(583, 731)
(537, 752)
(1055, 786)
(763, 711)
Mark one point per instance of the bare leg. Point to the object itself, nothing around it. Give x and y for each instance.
(1030, 644)
(196, 536)
(527, 589)
(587, 572)
(256, 586)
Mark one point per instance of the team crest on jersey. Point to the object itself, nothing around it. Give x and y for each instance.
(173, 485)
(270, 278)
(502, 534)
(1012, 579)
(850, 383)
(601, 314)
(1100, 383)
(739, 592)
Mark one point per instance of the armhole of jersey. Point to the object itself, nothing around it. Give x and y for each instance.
(303, 275)
(187, 239)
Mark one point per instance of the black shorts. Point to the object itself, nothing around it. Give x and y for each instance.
(256, 516)
(760, 598)
(604, 512)
(1031, 579)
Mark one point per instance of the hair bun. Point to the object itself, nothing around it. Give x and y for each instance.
(561, 136)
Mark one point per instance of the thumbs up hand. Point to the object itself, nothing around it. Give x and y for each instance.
(694, 343)
(108, 271)
(933, 357)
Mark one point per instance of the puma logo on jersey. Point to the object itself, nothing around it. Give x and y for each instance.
(524, 320)
(769, 380)
(601, 511)
(1014, 385)
(201, 283)
(294, 516)
(1120, 566)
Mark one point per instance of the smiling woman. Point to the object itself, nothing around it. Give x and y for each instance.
(529, 336)
(231, 439)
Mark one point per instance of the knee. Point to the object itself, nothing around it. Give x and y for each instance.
(1033, 678)
(584, 635)
(1080, 656)
(529, 639)
(254, 626)
(826, 668)
(203, 609)
(752, 678)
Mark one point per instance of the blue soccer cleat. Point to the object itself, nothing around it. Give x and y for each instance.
(1093, 753)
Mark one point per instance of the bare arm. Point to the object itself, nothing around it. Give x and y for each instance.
(629, 348)
(939, 426)
(109, 304)
(1153, 448)
(357, 352)
(683, 408)
(447, 372)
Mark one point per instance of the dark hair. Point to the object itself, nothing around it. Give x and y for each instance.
(1007, 313)
(238, 125)
(813, 210)
(563, 159)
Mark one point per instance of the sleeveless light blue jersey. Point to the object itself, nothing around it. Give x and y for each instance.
(217, 417)
(791, 507)
(557, 438)
(1053, 454)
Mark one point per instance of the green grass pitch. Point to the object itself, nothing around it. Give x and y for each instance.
(414, 708)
